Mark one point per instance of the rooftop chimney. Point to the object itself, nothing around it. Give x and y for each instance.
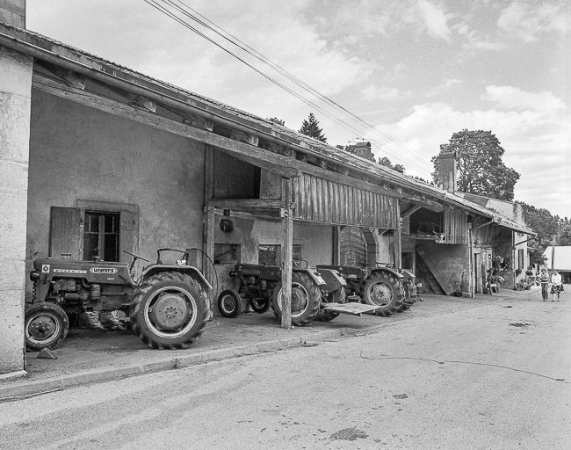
(13, 12)
(362, 149)
(447, 170)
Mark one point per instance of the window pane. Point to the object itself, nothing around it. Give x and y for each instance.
(111, 247)
(91, 222)
(90, 246)
(111, 223)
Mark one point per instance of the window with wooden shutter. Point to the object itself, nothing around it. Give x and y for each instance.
(94, 229)
(65, 233)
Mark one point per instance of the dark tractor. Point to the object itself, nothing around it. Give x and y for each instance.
(168, 306)
(315, 295)
(261, 286)
(382, 286)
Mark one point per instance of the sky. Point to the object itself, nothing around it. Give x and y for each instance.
(402, 74)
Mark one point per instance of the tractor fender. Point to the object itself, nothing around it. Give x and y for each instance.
(399, 276)
(190, 270)
(314, 275)
(332, 279)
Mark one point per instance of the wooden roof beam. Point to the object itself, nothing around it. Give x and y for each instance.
(254, 155)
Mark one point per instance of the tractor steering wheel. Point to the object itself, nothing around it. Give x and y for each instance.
(135, 256)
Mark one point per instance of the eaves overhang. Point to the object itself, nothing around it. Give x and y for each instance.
(45, 49)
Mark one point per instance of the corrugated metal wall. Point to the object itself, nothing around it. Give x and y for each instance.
(319, 200)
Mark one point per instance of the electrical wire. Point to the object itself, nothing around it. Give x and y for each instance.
(209, 25)
(245, 47)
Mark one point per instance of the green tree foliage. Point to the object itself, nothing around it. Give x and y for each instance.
(550, 229)
(310, 127)
(480, 169)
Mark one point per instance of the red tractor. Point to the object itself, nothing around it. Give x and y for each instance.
(167, 306)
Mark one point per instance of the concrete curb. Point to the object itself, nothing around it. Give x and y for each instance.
(10, 393)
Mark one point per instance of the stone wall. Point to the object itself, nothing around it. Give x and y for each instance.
(15, 94)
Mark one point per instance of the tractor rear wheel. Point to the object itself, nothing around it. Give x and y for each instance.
(384, 290)
(229, 303)
(305, 299)
(46, 325)
(169, 310)
(337, 296)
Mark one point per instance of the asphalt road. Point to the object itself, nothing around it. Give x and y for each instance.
(497, 376)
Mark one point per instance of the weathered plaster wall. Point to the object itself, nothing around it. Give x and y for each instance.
(15, 98)
(81, 153)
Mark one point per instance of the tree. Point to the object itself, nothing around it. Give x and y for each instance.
(480, 169)
(276, 121)
(564, 235)
(547, 228)
(310, 127)
(384, 161)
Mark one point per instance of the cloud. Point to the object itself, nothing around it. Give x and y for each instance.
(512, 97)
(536, 144)
(435, 19)
(527, 21)
(373, 92)
(444, 87)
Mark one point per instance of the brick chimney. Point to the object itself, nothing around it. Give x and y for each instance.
(362, 149)
(447, 169)
(13, 12)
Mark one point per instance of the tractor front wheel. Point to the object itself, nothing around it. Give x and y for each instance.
(305, 299)
(229, 303)
(46, 325)
(169, 310)
(384, 290)
(260, 305)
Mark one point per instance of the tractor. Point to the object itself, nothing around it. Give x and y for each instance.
(315, 295)
(389, 289)
(167, 306)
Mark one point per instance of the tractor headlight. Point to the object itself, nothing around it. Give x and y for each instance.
(34, 275)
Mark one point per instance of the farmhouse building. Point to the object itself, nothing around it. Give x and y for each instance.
(96, 159)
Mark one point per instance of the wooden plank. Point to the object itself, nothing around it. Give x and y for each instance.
(246, 204)
(342, 204)
(353, 308)
(433, 266)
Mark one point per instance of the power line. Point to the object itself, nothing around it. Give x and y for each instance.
(209, 25)
(240, 44)
(292, 92)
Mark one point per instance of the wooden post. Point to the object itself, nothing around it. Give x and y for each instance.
(398, 237)
(208, 249)
(287, 252)
(336, 248)
(209, 222)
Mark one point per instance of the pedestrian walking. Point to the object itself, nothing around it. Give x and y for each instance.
(556, 285)
(544, 280)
